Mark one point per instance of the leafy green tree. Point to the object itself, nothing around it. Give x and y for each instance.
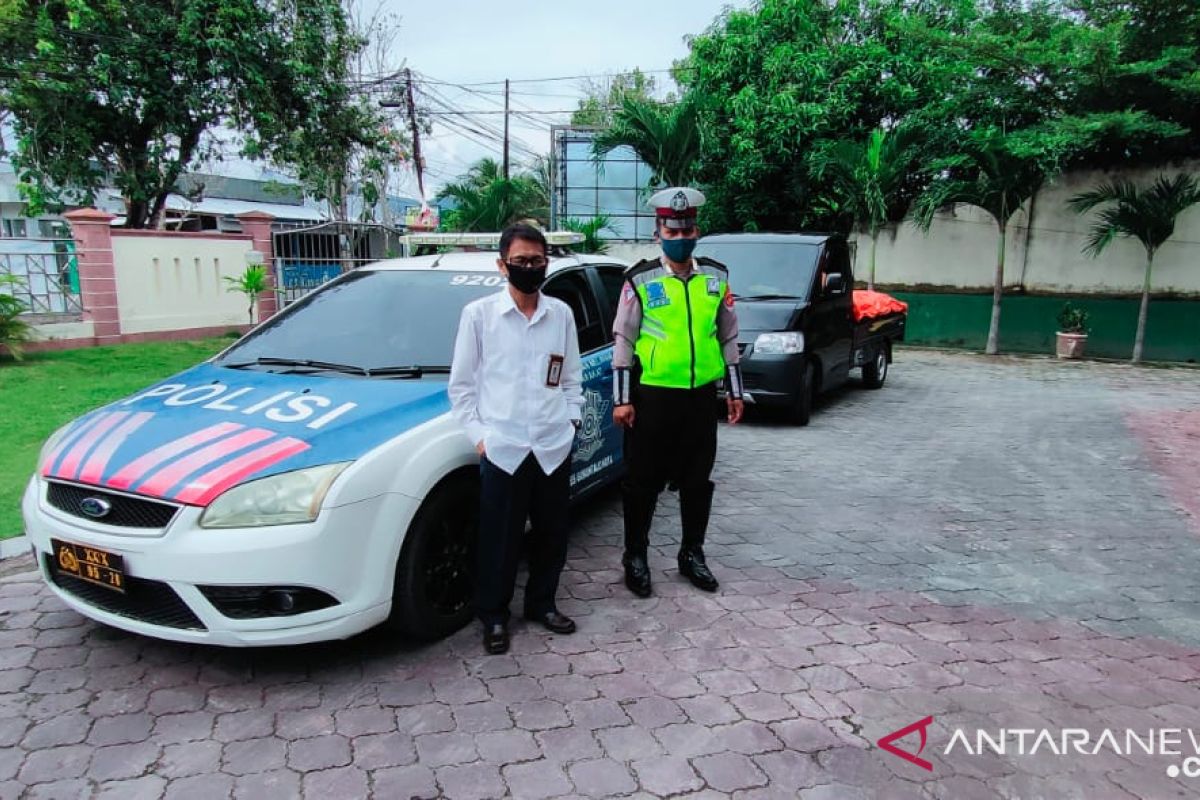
(14, 331)
(871, 181)
(603, 97)
(591, 230)
(252, 283)
(1147, 215)
(484, 200)
(665, 137)
(997, 173)
(134, 91)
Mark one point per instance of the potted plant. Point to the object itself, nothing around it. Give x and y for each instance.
(1072, 331)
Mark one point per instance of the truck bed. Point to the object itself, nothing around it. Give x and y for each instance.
(888, 326)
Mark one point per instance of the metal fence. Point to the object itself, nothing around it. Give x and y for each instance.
(46, 273)
(306, 257)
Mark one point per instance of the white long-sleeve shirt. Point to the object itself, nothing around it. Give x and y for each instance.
(500, 380)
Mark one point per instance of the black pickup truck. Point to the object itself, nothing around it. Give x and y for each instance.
(798, 336)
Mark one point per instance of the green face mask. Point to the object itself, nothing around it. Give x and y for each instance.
(678, 250)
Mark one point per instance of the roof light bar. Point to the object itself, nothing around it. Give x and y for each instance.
(553, 238)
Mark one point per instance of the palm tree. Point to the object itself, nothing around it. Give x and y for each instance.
(14, 331)
(867, 179)
(990, 175)
(486, 201)
(1148, 216)
(591, 230)
(665, 137)
(252, 283)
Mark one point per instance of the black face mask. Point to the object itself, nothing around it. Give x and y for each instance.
(527, 280)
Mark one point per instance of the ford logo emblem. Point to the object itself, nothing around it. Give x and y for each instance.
(95, 507)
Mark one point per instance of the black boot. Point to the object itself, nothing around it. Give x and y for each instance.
(639, 513)
(695, 504)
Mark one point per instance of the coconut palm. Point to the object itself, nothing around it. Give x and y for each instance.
(990, 175)
(252, 283)
(867, 179)
(665, 137)
(487, 201)
(591, 230)
(1146, 215)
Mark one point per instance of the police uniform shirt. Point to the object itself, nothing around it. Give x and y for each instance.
(628, 324)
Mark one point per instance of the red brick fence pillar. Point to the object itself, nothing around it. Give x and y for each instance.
(97, 274)
(258, 225)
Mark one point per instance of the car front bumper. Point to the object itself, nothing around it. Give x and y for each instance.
(346, 557)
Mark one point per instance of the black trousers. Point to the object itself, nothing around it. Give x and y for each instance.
(673, 438)
(506, 501)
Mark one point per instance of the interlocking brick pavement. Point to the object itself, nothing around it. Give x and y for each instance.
(990, 542)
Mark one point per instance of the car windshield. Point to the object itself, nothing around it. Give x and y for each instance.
(778, 270)
(368, 320)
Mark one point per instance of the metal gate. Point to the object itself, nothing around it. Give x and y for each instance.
(45, 275)
(307, 257)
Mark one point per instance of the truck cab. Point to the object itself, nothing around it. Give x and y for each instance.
(795, 306)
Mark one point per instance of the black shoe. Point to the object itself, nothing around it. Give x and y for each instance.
(637, 575)
(553, 622)
(692, 567)
(495, 638)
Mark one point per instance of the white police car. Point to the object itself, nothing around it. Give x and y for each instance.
(308, 482)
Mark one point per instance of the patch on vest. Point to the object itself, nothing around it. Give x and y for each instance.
(714, 287)
(656, 295)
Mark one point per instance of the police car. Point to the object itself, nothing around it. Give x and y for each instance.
(307, 483)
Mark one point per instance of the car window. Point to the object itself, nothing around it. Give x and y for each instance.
(572, 288)
(612, 278)
(372, 319)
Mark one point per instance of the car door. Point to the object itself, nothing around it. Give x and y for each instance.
(596, 459)
(832, 326)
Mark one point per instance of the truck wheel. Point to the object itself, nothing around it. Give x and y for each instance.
(874, 372)
(434, 584)
(801, 410)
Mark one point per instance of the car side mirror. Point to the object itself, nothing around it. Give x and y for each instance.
(835, 283)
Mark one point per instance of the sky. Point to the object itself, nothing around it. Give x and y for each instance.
(473, 44)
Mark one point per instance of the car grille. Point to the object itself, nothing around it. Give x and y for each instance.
(153, 602)
(127, 512)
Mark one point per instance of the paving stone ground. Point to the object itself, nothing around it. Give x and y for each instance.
(996, 543)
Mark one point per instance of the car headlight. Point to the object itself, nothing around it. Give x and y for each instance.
(779, 343)
(283, 499)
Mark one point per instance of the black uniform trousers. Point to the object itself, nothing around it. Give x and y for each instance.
(506, 501)
(673, 438)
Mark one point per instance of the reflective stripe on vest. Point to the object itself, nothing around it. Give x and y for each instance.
(677, 345)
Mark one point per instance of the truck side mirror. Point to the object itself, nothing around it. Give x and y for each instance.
(835, 283)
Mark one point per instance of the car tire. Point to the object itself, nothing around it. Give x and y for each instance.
(434, 585)
(875, 371)
(801, 410)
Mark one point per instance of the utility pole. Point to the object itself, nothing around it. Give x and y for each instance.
(506, 129)
(418, 164)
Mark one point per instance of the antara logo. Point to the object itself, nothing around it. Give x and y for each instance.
(919, 726)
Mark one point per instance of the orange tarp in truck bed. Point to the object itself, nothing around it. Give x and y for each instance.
(868, 305)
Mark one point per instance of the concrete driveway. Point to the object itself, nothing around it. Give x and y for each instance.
(1005, 547)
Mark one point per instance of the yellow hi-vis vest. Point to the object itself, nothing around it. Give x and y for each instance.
(678, 346)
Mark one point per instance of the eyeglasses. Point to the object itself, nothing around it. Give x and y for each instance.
(537, 262)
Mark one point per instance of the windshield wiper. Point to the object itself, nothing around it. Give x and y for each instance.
(767, 297)
(411, 371)
(323, 366)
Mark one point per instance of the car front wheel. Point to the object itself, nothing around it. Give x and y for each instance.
(434, 584)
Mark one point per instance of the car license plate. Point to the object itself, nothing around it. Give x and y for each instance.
(90, 564)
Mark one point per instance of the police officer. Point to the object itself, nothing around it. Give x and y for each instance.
(675, 338)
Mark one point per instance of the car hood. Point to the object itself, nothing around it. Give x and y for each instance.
(195, 435)
(764, 316)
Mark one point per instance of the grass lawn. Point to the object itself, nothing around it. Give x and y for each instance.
(47, 390)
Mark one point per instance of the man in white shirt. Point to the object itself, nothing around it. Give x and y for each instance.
(515, 387)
